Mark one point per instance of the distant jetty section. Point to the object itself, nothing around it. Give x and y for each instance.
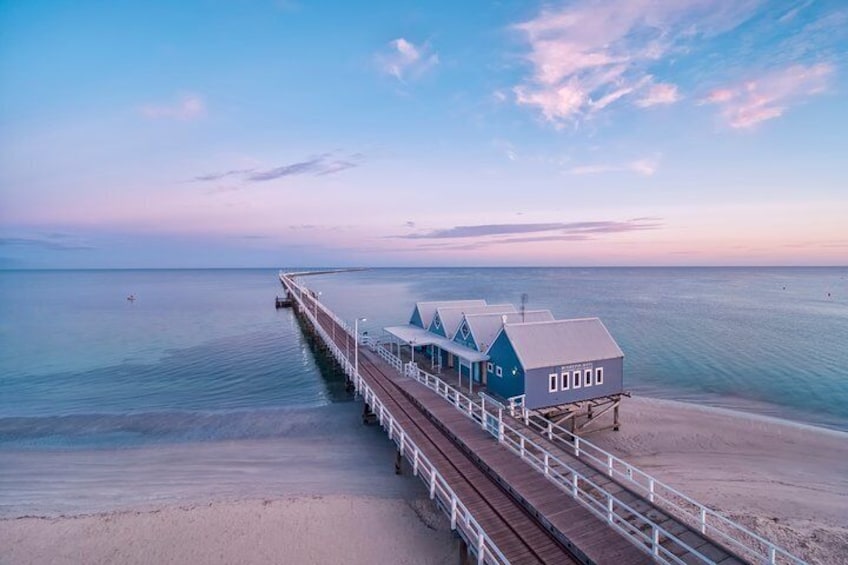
(518, 489)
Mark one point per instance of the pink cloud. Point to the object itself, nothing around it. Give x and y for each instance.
(646, 167)
(769, 96)
(589, 55)
(403, 59)
(188, 107)
(663, 93)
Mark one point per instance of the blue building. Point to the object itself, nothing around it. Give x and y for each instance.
(546, 362)
(555, 363)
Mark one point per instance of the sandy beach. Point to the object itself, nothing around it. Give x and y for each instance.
(787, 481)
(318, 529)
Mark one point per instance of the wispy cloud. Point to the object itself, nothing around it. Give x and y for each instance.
(570, 230)
(769, 96)
(663, 93)
(219, 176)
(645, 167)
(320, 165)
(589, 55)
(507, 148)
(53, 242)
(188, 107)
(404, 60)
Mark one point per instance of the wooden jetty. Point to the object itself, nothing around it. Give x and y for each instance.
(518, 488)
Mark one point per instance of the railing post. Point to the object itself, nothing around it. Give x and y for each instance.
(522, 447)
(550, 430)
(481, 557)
(609, 508)
(432, 482)
(500, 425)
(651, 489)
(415, 463)
(483, 412)
(576, 446)
(402, 440)
(453, 513)
(609, 464)
(547, 464)
(703, 520)
(574, 487)
(655, 540)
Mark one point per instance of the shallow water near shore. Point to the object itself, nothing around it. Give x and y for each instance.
(200, 388)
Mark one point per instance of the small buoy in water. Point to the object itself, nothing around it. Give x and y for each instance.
(131, 298)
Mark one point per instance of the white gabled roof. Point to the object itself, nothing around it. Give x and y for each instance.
(561, 342)
(451, 316)
(428, 309)
(485, 327)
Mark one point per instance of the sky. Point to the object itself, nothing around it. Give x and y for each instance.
(276, 133)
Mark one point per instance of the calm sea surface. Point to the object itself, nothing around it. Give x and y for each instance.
(92, 383)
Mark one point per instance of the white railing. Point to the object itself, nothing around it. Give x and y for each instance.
(461, 518)
(695, 514)
(746, 543)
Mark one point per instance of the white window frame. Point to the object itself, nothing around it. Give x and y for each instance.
(489, 367)
(553, 379)
(599, 376)
(576, 379)
(498, 370)
(464, 331)
(587, 377)
(437, 322)
(564, 383)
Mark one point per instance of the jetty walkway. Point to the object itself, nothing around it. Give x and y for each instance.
(518, 489)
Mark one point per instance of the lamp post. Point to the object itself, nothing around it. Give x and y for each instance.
(356, 347)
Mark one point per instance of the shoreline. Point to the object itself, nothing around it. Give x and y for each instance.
(783, 479)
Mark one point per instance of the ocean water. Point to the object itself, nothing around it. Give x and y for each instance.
(201, 388)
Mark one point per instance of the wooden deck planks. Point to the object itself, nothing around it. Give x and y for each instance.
(481, 496)
(591, 535)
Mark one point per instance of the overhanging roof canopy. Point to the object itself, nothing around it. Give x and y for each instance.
(410, 334)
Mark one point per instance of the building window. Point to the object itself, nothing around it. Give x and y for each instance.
(575, 379)
(599, 376)
(552, 382)
(498, 371)
(437, 323)
(489, 367)
(564, 380)
(464, 331)
(587, 377)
